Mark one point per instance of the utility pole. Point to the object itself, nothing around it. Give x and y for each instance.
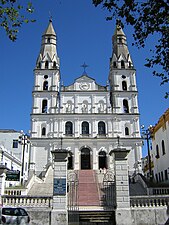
(24, 141)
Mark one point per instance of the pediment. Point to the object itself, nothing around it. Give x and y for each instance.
(84, 83)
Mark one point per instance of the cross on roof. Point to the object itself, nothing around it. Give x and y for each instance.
(50, 17)
(84, 65)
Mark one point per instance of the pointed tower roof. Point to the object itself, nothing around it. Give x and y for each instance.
(50, 30)
(118, 29)
(48, 51)
(120, 48)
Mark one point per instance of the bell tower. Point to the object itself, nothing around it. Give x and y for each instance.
(45, 95)
(123, 89)
(124, 95)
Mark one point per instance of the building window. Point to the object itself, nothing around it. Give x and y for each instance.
(44, 106)
(43, 131)
(39, 65)
(163, 147)
(120, 40)
(54, 64)
(122, 64)
(69, 128)
(45, 85)
(15, 144)
(46, 65)
(157, 152)
(125, 106)
(126, 131)
(114, 65)
(166, 174)
(85, 128)
(48, 40)
(101, 128)
(124, 85)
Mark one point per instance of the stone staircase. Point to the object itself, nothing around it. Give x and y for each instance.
(88, 191)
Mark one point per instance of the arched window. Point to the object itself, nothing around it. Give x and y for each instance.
(163, 147)
(122, 64)
(114, 65)
(85, 128)
(46, 65)
(125, 106)
(124, 85)
(126, 131)
(157, 152)
(54, 64)
(45, 85)
(39, 65)
(68, 128)
(44, 106)
(120, 40)
(101, 128)
(48, 40)
(43, 131)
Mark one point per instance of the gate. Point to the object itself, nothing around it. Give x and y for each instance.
(72, 198)
(109, 191)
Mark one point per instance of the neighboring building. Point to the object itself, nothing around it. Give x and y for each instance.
(13, 142)
(160, 149)
(86, 118)
(11, 163)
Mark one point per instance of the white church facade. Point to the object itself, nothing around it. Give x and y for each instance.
(86, 118)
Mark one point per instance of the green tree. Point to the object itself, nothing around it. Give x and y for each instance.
(147, 17)
(13, 15)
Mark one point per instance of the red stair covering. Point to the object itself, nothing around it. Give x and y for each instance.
(88, 188)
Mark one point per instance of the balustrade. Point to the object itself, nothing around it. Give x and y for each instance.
(26, 201)
(149, 201)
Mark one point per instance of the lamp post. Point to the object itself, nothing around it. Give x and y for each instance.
(24, 141)
(146, 134)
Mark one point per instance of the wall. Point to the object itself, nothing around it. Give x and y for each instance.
(149, 216)
(140, 216)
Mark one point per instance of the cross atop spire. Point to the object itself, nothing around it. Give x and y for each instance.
(84, 65)
(50, 17)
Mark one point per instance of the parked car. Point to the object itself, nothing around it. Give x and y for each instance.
(14, 215)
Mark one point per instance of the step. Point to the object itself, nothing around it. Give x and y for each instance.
(88, 188)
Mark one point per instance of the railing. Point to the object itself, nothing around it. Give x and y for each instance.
(149, 201)
(159, 191)
(26, 201)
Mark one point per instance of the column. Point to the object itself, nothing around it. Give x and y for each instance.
(123, 212)
(59, 214)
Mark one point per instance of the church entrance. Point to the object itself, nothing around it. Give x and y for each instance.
(85, 159)
(102, 160)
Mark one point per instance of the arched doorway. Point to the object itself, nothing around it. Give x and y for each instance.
(85, 159)
(102, 160)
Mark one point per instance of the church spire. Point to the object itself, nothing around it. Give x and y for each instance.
(120, 48)
(48, 51)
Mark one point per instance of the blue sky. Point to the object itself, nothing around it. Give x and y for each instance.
(83, 35)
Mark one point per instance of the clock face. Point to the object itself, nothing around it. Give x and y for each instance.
(84, 86)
